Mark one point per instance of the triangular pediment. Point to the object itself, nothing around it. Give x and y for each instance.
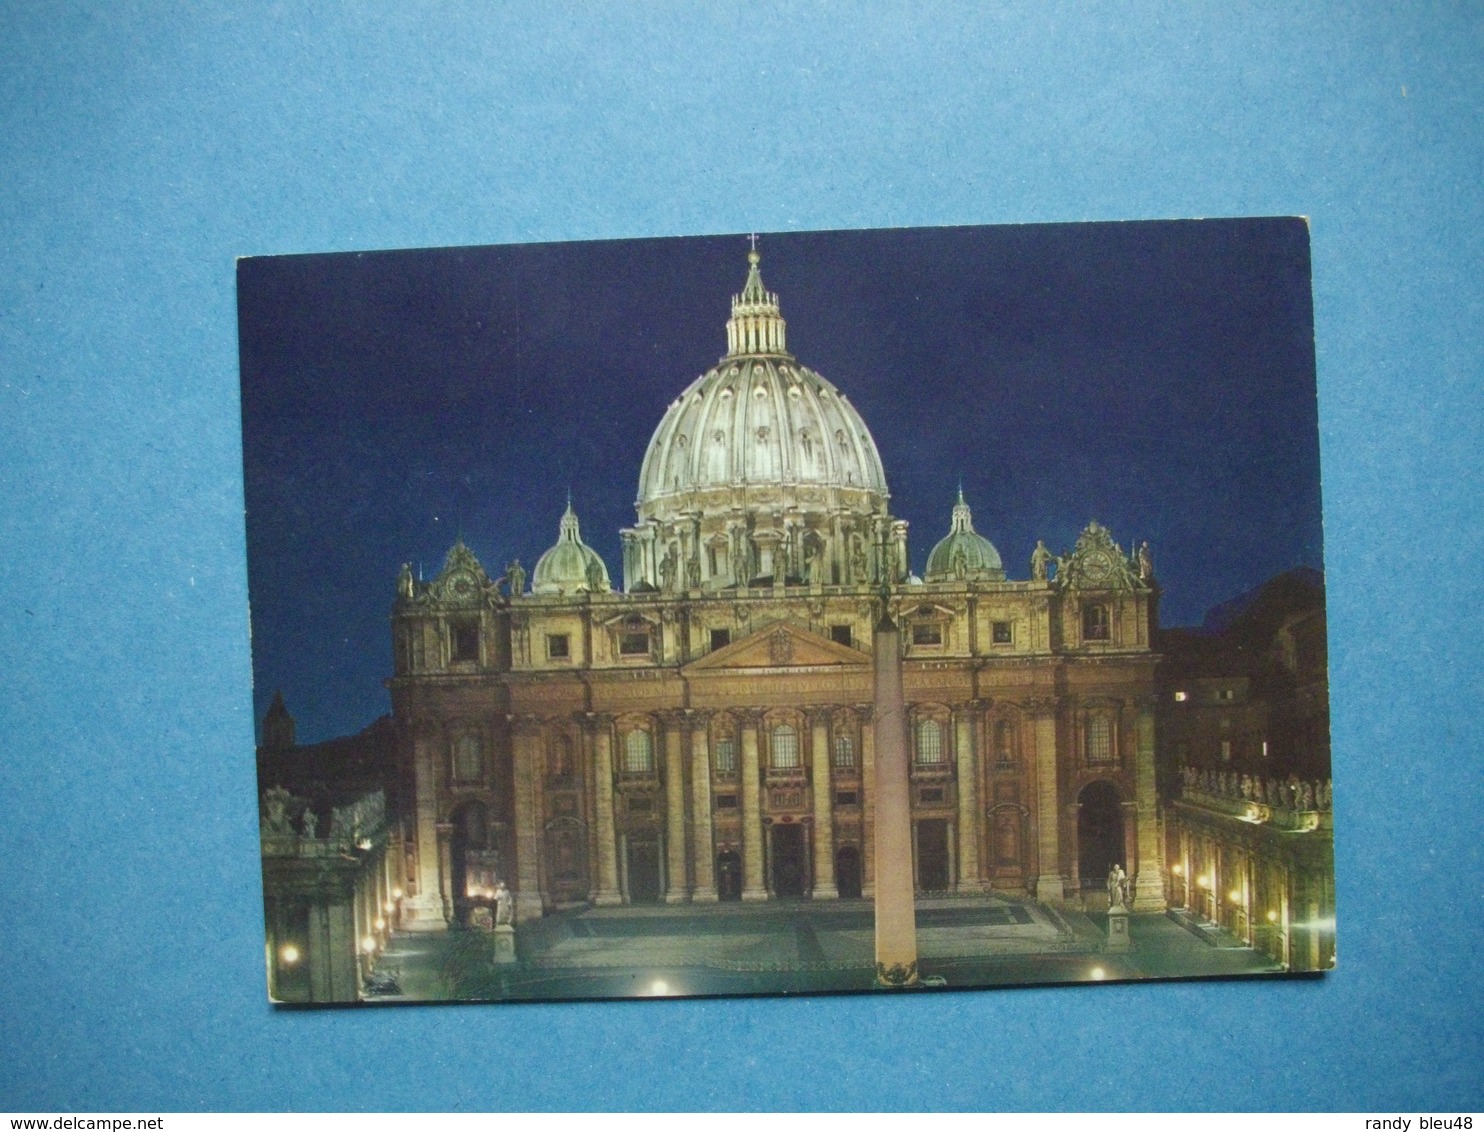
(780, 645)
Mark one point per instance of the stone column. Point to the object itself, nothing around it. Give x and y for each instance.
(895, 901)
(344, 949)
(527, 761)
(1149, 881)
(824, 808)
(704, 847)
(969, 819)
(424, 911)
(868, 801)
(752, 825)
(1050, 884)
(607, 892)
(676, 890)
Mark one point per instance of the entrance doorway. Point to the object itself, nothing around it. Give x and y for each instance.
(467, 852)
(932, 855)
(790, 871)
(728, 875)
(644, 869)
(1099, 833)
(848, 871)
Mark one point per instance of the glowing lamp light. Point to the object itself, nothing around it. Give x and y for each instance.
(387, 906)
(368, 945)
(288, 955)
(396, 894)
(1097, 974)
(1178, 870)
(1204, 882)
(1234, 896)
(659, 986)
(380, 923)
(1272, 917)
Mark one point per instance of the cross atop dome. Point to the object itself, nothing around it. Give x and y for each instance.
(756, 325)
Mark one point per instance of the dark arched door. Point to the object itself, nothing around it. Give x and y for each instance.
(1099, 833)
(848, 871)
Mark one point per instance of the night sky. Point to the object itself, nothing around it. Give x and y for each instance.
(1158, 377)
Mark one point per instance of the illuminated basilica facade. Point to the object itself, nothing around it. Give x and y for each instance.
(704, 734)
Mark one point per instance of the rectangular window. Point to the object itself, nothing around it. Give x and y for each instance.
(929, 743)
(726, 756)
(633, 644)
(784, 744)
(845, 798)
(844, 752)
(1095, 623)
(1181, 697)
(1000, 633)
(720, 638)
(464, 640)
(841, 635)
(931, 794)
(1226, 750)
(726, 801)
(1099, 739)
(929, 634)
(558, 647)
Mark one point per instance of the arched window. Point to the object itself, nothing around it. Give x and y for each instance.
(1004, 741)
(844, 752)
(1095, 622)
(468, 758)
(725, 755)
(638, 754)
(784, 748)
(929, 743)
(1099, 739)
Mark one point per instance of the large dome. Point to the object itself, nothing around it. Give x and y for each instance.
(761, 471)
(756, 419)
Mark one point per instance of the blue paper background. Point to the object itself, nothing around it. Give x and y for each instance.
(142, 147)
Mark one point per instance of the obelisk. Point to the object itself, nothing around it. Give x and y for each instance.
(896, 914)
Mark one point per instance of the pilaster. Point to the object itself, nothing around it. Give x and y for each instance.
(676, 890)
(752, 826)
(964, 720)
(600, 727)
(1050, 883)
(1149, 881)
(824, 809)
(703, 847)
(527, 765)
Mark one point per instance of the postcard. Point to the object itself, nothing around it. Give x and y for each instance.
(790, 612)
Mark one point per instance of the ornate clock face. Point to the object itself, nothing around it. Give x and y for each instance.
(463, 585)
(1097, 567)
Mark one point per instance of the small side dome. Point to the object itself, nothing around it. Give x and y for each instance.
(964, 556)
(571, 566)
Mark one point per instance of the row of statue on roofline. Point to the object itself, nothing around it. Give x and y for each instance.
(1042, 562)
(285, 815)
(1292, 793)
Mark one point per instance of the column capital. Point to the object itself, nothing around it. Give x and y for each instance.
(864, 712)
(1039, 705)
(748, 717)
(525, 723)
(699, 719)
(671, 718)
(595, 720)
(817, 715)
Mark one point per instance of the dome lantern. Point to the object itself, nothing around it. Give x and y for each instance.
(756, 325)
